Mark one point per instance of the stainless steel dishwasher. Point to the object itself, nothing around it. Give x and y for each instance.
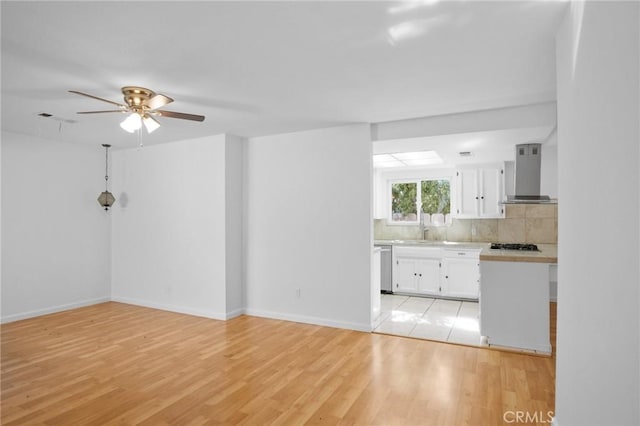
(385, 268)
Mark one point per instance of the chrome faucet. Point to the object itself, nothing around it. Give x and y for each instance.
(423, 227)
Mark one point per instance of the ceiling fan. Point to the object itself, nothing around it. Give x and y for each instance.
(143, 105)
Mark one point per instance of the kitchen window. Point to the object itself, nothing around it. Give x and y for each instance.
(434, 197)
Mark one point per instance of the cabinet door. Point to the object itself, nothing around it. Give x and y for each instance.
(461, 278)
(491, 192)
(428, 276)
(405, 275)
(467, 193)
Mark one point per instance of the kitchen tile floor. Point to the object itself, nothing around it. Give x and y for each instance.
(432, 319)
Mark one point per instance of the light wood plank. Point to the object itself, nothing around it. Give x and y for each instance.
(114, 363)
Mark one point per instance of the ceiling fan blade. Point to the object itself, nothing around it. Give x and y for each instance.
(158, 101)
(100, 112)
(182, 115)
(97, 98)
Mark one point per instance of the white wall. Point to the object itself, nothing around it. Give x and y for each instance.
(549, 171)
(234, 192)
(55, 236)
(309, 226)
(169, 233)
(598, 371)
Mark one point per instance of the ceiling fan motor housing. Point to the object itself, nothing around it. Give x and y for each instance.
(144, 102)
(137, 97)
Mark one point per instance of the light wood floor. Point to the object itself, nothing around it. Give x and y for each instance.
(120, 364)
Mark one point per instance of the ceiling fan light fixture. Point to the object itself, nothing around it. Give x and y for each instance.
(132, 123)
(141, 104)
(150, 123)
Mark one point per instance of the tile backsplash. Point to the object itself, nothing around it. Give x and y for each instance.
(523, 223)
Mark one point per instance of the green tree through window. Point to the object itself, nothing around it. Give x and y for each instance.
(434, 197)
(403, 201)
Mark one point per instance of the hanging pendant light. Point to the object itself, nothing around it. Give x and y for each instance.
(106, 199)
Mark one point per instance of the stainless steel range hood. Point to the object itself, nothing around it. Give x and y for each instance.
(527, 176)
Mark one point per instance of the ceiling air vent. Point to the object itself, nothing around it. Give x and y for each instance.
(53, 117)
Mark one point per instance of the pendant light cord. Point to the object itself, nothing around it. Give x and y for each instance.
(106, 168)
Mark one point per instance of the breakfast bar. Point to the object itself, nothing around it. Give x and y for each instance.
(514, 298)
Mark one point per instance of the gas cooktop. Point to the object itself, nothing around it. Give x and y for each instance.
(513, 246)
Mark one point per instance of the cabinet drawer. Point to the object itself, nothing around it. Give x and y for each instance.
(421, 252)
(462, 253)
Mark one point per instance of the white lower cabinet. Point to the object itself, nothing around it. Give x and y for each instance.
(405, 273)
(429, 276)
(416, 270)
(461, 273)
(436, 272)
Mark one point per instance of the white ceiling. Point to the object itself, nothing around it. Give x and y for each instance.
(259, 68)
(485, 147)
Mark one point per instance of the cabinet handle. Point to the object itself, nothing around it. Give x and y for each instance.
(420, 275)
(476, 198)
(482, 197)
(414, 274)
(446, 276)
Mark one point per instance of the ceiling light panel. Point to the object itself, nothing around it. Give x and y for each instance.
(381, 158)
(422, 161)
(403, 159)
(419, 155)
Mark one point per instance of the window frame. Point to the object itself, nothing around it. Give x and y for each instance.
(418, 182)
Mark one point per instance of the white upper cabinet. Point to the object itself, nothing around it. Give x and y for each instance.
(478, 192)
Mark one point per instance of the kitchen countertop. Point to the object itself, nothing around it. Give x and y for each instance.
(548, 253)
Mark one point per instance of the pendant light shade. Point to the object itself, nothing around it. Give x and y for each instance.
(106, 199)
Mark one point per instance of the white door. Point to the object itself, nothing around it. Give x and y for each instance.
(461, 277)
(405, 275)
(491, 192)
(428, 276)
(467, 190)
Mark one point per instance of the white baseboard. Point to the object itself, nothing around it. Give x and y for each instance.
(191, 311)
(53, 309)
(553, 291)
(173, 308)
(308, 320)
(234, 313)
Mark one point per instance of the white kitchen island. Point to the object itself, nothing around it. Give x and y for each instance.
(514, 305)
(514, 301)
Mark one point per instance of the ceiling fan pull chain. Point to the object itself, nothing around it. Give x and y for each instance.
(140, 137)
